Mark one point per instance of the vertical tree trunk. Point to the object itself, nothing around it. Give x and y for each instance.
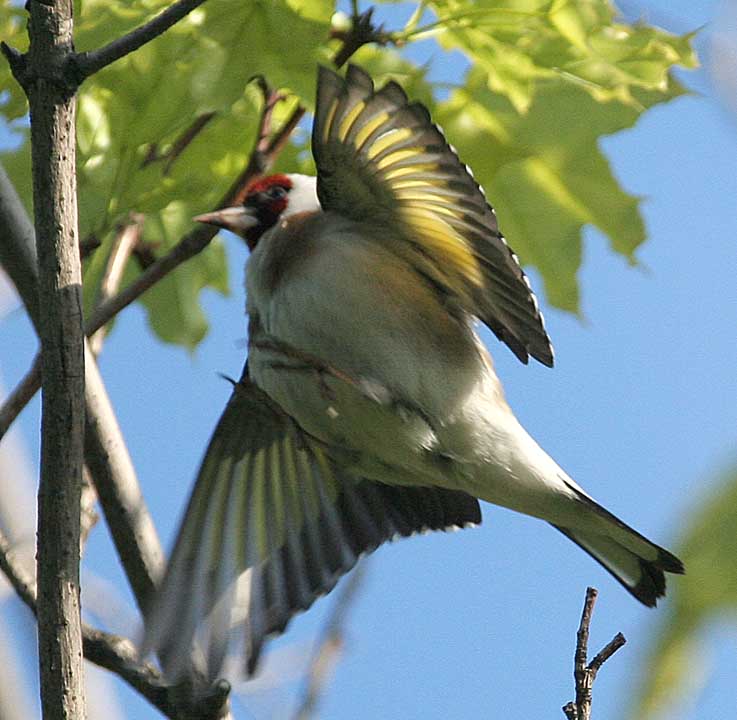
(52, 107)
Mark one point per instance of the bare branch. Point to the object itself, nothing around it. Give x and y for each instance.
(88, 63)
(583, 689)
(124, 244)
(21, 395)
(605, 653)
(330, 645)
(107, 457)
(583, 673)
(23, 584)
(131, 526)
(53, 155)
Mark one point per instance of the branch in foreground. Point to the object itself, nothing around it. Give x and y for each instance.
(126, 240)
(107, 457)
(329, 645)
(266, 149)
(112, 652)
(53, 165)
(88, 63)
(583, 673)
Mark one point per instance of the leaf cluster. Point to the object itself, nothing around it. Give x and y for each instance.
(165, 131)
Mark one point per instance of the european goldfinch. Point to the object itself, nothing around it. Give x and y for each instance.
(368, 407)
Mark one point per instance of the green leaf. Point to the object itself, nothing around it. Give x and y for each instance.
(13, 22)
(166, 130)
(518, 43)
(172, 304)
(677, 664)
(545, 174)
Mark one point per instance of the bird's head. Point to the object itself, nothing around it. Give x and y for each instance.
(268, 200)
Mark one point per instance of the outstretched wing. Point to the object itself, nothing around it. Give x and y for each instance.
(272, 524)
(381, 159)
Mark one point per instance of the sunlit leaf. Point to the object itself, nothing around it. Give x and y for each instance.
(171, 125)
(520, 42)
(545, 175)
(13, 21)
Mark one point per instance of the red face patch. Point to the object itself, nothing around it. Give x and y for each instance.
(265, 183)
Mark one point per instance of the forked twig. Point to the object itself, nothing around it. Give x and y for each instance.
(583, 673)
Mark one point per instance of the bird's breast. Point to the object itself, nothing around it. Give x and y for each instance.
(330, 287)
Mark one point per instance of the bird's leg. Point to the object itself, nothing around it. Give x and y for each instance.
(301, 361)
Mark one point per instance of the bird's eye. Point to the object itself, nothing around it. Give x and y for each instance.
(276, 192)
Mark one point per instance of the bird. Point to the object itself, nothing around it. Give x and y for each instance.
(368, 408)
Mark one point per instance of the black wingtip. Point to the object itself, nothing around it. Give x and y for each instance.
(356, 75)
(651, 585)
(670, 563)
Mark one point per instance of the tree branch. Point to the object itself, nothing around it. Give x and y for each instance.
(53, 154)
(126, 240)
(20, 396)
(583, 673)
(112, 652)
(88, 63)
(266, 149)
(107, 457)
(126, 514)
(329, 645)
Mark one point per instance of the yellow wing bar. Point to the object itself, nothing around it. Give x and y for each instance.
(381, 160)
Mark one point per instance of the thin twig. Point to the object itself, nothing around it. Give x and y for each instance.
(329, 645)
(131, 526)
(88, 514)
(266, 148)
(88, 63)
(21, 395)
(583, 690)
(112, 652)
(606, 652)
(584, 674)
(125, 242)
(179, 145)
(23, 583)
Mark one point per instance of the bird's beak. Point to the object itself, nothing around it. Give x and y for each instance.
(238, 219)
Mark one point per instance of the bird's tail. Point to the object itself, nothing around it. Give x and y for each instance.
(636, 562)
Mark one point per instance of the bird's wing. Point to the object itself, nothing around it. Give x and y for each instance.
(380, 159)
(272, 524)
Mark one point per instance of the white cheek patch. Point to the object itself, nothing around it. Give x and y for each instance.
(302, 196)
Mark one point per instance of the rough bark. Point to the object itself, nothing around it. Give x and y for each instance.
(52, 108)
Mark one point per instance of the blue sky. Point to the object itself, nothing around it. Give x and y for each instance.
(640, 410)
